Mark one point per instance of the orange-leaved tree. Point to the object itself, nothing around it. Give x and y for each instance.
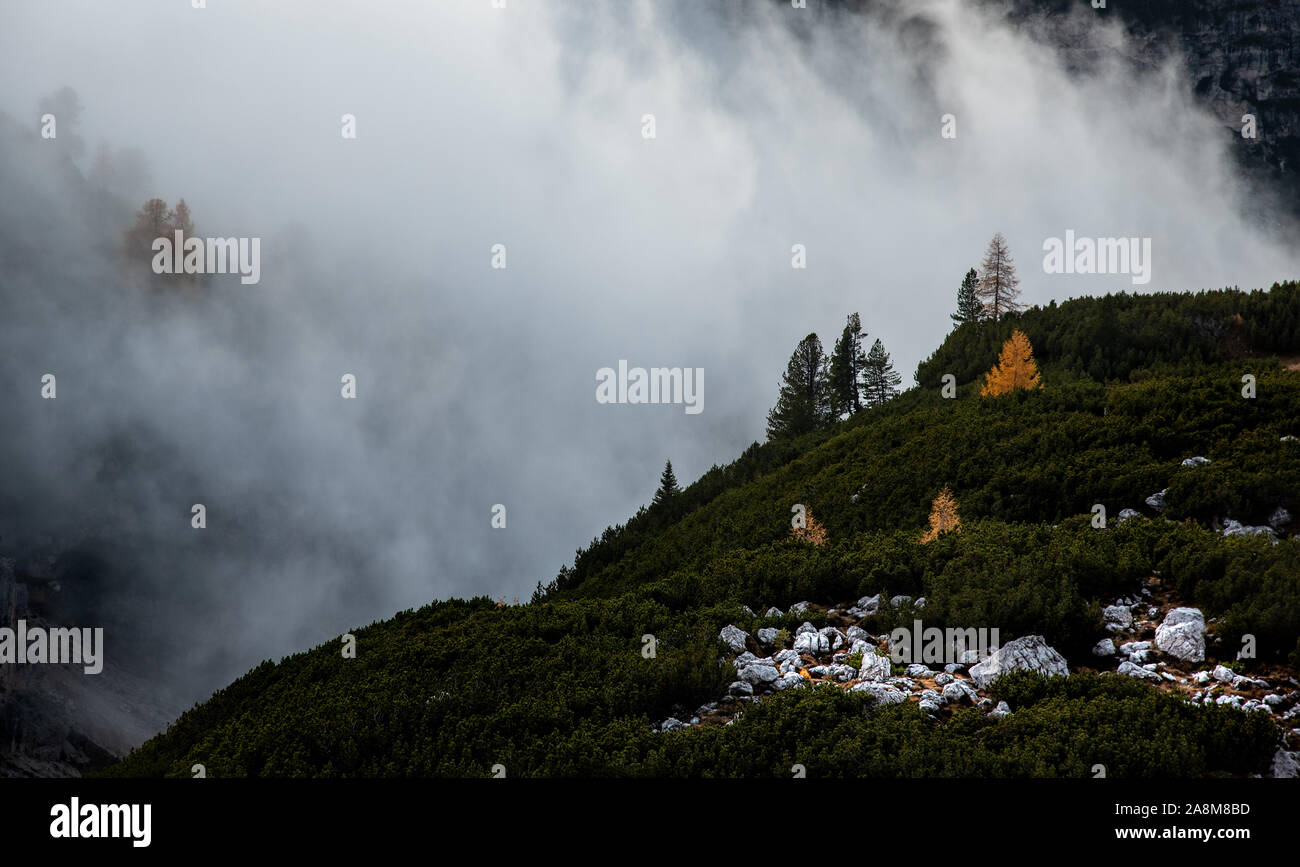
(814, 532)
(1016, 368)
(943, 516)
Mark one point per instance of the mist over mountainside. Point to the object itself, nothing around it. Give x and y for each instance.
(475, 385)
(1240, 58)
(1107, 529)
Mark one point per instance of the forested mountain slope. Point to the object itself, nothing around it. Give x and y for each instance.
(580, 680)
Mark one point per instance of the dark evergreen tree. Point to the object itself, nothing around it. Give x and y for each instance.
(666, 497)
(880, 380)
(847, 362)
(804, 404)
(969, 308)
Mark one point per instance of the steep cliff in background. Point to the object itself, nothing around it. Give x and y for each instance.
(1240, 56)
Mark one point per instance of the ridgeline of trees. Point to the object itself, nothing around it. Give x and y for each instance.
(1000, 460)
(154, 220)
(560, 687)
(817, 391)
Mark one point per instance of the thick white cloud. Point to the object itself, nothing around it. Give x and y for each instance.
(522, 126)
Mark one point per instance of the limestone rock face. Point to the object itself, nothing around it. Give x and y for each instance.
(1233, 59)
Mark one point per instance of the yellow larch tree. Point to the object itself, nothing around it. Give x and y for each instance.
(943, 516)
(1016, 368)
(813, 532)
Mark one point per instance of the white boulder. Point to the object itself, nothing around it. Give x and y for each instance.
(1030, 653)
(1182, 635)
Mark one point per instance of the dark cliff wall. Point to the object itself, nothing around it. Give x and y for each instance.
(1240, 57)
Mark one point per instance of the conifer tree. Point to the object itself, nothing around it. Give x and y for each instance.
(969, 308)
(998, 280)
(151, 221)
(943, 516)
(666, 496)
(179, 219)
(879, 379)
(812, 531)
(847, 363)
(804, 404)
(1014, 369)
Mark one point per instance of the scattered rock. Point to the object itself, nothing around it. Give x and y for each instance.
(812, 643)
(1126, 514)
(1136, 651)
(1132, 670)
(1030, 653)
(1117, 617)
(1279, 519)
(733, 637)
(1236, 528)
(1197, 461)
(943, 679)
(767, 636)
(760, 673)
(1002, 710)
(882, 692)
(784, 656)
(774, 612)
(787, 681)
(833, 636)
(1182, 635)
(931, 695)
(798, 608)
(916, 669)
(958, 691)
(1157, 500)
(1105, 647)
(1223, 674)
(842, 673)
(867, 606)
(874, 667)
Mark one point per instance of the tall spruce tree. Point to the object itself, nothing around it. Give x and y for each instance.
(804, 404)
(880, 380)
(668, 491)
(847, 362)
(969, 308)
(998, 280)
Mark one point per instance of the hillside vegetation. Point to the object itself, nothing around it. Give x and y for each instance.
(1133, 386)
